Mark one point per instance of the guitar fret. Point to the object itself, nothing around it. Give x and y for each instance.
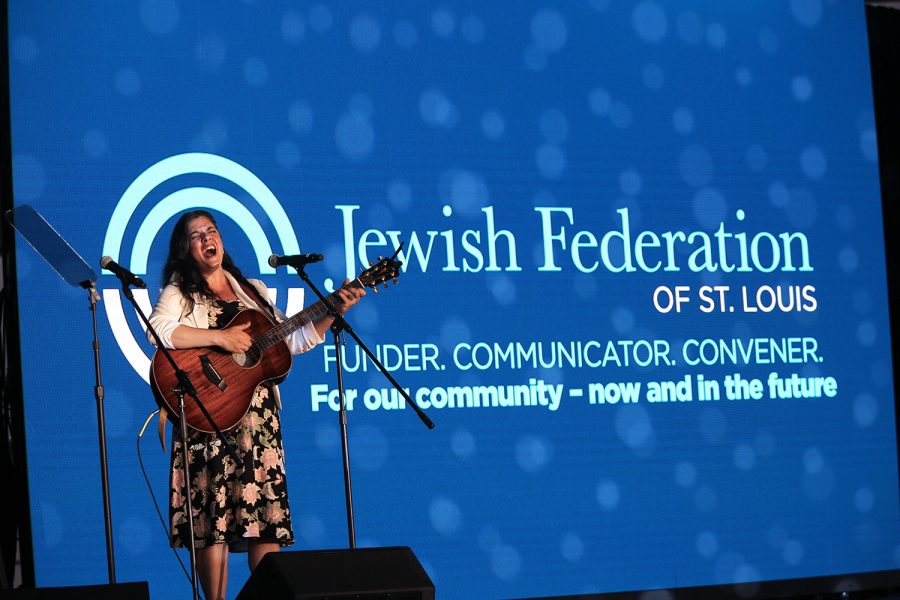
(311, 313)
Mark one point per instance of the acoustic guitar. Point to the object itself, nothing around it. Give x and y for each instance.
(226, 381)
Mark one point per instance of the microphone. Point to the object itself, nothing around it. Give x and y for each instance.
(127, 277)
(294, 260)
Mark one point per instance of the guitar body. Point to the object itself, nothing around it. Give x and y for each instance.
(225, 382)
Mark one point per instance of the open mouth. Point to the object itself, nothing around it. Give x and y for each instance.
(210, 251)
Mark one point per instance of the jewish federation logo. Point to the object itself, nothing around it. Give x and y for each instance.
(176, 203)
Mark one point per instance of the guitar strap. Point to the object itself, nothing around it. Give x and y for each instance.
(254, 293)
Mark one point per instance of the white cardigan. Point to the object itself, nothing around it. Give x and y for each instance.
(171, 311)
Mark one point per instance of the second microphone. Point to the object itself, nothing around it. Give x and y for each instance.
(294, 260)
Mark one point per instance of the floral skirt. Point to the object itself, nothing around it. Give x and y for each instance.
(234, 502)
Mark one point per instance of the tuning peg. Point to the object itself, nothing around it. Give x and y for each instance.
(371, 264)
(394, 279)
(375, 289)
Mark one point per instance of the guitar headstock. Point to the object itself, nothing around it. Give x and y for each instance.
(382, 271)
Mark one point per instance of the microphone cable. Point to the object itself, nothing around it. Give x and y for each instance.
(162, 521)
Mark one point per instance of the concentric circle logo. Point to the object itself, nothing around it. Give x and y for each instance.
(174, 204)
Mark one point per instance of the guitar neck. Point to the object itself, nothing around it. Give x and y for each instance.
(311, 313)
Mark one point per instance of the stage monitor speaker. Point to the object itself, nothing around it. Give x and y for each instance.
(361, 574)
(139, 590)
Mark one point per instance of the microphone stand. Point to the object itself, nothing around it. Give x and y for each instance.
(184, 387)
(338, 327)
(93, 297)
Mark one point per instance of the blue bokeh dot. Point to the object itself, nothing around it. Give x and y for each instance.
(327, 439)
(685, 474)
(472, 29)
(256, 72)
(549, 30)
(792, 552)
(649, 21)
(465, 190)
(635, 429)
(361, 105)
(620, 115)
(532, 453)
(848, 259)
(160, 16)
(443, 22)
(865, 410)
(554, 126)
(866, 333)
(744, 76)
(571, 547)
(462, 443)
(137, 531)
(95, 143)
(506, 562)
(454, 331)
(293, 27)
(437, 110)
(355, 137)
(287, 154)
(608, 495)
(690, 27)
(813, 162)
(445, 515)
(128, 82)
(744, 457)
(768, 41)
(716, 36)
(312, 528)
(493, 125)
(707, 544)
(600, 101)
(864, 499)
(801, 88)
(630, 182)
(807, 12)
(813, 460)
(779, 195)
(550, 160)
(365, 33)
(300, 117)
(320, 18)
(683, 121)
(502, 288)
(868, 144)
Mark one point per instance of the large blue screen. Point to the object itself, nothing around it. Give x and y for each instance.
(643, 294)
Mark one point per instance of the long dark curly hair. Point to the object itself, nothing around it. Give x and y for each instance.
(181, 269)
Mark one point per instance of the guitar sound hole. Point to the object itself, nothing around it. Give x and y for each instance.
(246, 359)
